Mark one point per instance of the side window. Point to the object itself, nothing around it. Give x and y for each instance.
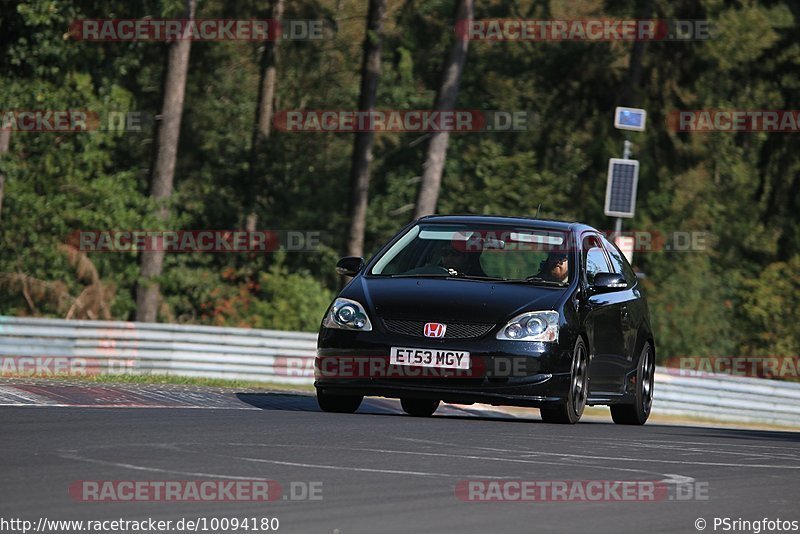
(620, 264)
(594, 258)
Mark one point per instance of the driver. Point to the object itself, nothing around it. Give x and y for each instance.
(555, 268)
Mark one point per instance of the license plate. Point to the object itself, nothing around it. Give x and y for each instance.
(442, 358)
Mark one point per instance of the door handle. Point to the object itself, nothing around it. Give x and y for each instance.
(624, 314)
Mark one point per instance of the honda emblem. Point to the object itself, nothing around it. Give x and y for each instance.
(435, 329)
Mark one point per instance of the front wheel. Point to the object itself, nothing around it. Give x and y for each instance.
(338, 403)
(571, 411)
(419, 407)
(638, 412)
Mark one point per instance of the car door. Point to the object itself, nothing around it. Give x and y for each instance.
(602, 322)
(633, 308)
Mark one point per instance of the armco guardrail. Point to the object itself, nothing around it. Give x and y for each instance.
(278, 356)
(727, 398)
(155, 348)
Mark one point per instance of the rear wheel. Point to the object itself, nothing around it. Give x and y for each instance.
(571, 411)
(638, 412)
(419, 407)
(338, 403)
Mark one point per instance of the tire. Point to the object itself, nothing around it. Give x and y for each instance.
(638, 412)
(571, 411)
(419, 407)
(338, 403)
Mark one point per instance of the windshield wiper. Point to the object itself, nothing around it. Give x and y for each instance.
(478, 277)
(530, 279)
(540, 280)
(447, 275)
(417, 275)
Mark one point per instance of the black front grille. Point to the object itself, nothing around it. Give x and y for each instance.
(453, 331)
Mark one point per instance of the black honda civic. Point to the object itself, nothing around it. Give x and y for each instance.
(495, 310)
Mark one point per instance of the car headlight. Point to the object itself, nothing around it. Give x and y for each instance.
(531, 326)
(347, 314)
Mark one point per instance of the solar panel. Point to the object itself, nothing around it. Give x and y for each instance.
(623, 176)
(630, 119)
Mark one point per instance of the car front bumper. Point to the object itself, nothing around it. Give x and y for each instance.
(517, 373)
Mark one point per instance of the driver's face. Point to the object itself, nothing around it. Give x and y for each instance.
(560, 269)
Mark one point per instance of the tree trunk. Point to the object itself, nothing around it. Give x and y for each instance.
(268, 80)
(267, 83)
(364, 141)
(445, 100)
(5, 140)
(148, 294)
(629, 96)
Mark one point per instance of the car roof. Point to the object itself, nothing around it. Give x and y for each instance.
(548, 224)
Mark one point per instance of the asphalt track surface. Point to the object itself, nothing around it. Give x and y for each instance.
(381, 471)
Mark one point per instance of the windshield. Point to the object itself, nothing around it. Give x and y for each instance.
(529, 255)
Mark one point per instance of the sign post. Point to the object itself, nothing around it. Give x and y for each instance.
(623, 174)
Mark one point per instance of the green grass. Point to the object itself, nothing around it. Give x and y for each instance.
(115, 378)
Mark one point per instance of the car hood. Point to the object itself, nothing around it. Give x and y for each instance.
(434, 299)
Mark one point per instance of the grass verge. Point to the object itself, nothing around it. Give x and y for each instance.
(172, 380)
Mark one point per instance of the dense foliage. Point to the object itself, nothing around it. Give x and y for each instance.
(738, 295)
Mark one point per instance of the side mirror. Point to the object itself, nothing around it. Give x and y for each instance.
(349, 265)
(607, 282)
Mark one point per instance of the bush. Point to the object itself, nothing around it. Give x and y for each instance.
(289, 301)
